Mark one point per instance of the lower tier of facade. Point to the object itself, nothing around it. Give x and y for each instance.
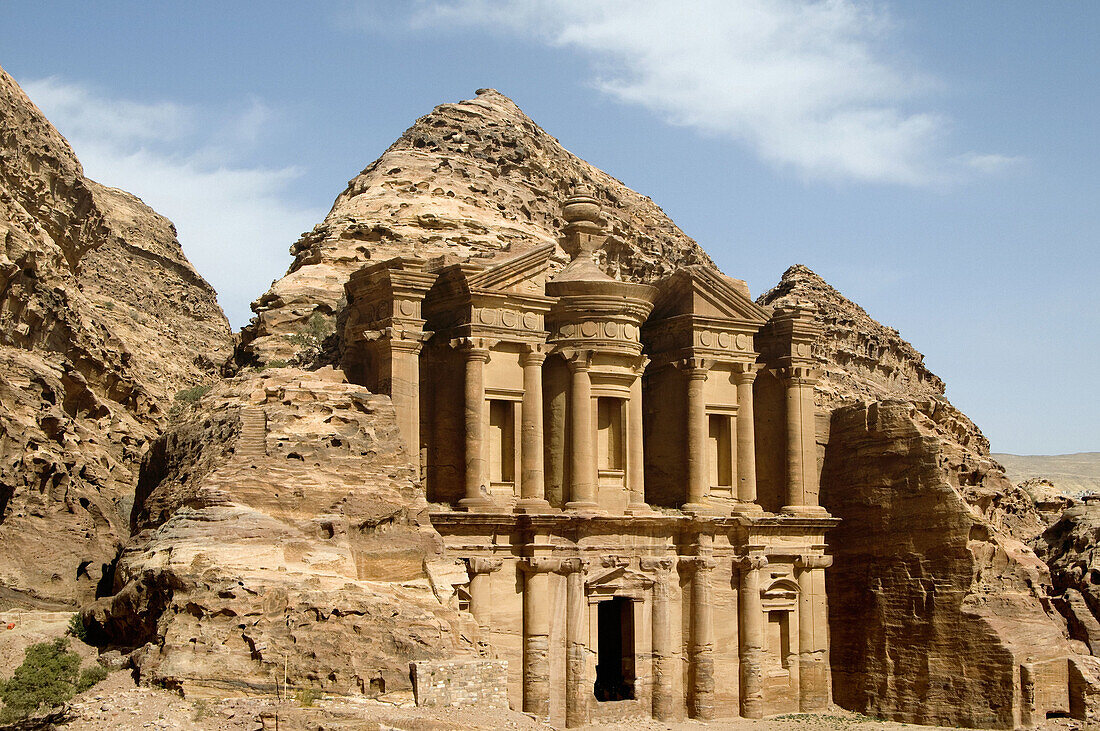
(666, 614)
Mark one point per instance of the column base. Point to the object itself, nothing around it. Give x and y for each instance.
(703, 509)
(477, 504)
(744, 508)
(533, 506)
(639, 509)
(583, 506)
(808, 511)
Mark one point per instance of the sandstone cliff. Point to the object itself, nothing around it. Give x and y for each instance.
(102, 322)
(279, 529)
(935, 601)
(475, 178)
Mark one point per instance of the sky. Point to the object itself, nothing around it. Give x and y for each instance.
(938, 163)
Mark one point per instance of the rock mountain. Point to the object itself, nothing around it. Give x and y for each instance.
(274, 528)
(102, 322)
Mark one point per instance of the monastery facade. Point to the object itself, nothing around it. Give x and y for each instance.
(629, 472)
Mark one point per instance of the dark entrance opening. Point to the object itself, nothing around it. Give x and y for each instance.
(615, 651)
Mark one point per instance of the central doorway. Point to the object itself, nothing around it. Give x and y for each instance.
(615, 650)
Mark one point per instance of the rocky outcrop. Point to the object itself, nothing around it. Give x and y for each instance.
(475, 178)
(102, 322)
(279, 529)
(1070, 549)
(935, 601)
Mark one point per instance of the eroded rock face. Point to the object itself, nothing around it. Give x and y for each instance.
(475, 178)
(1070, 548)
(279, 527)
(935, 601)
(102, 322)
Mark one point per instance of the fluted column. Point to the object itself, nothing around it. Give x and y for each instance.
(635, 455)
(577, 690)
(664, 666)
(802, 477)
(481, 601)
(695, 373)
(751, 612)
(746, 434)
(701, 650)
(582, 477)
(476, 354)
(532, 482)
(536, 635)
(813, 638)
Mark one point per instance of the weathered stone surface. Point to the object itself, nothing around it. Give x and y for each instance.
(476, 178)
(305, 558)
(1069, 547)
(934, 599)
(102, 322)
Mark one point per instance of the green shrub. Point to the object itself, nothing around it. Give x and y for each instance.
(77, 628)
(49, 676)
(90, 676)
(191, 395)
(306, 697)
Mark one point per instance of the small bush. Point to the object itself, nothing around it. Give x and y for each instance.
(192, 395)
(77, 629)
(49, 676)
(306, 697)
(89, 677)
(202, 710)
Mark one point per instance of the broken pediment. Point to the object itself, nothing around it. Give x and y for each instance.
(705, 292)
(524, 273)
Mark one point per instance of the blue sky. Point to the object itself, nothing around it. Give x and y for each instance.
(938, 163)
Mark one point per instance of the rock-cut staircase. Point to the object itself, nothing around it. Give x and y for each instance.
(253, 441)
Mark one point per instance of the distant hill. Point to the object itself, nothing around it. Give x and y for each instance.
(1070, 473)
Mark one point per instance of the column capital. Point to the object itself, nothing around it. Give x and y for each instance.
(697, 563)
(533, 354)
(540, 565)
(577, 360)
(750, 562)
(474, 348)
(642, 364)
(800, 375)
(660, 565)
(811, 561)
(745, 372)
(483, 565)
(573, 565)
(695, 368)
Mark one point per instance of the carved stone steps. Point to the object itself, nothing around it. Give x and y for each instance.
(253, 441)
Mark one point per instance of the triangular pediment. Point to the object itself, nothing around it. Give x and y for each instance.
(616, 579)
(705, 292)
(524, 273)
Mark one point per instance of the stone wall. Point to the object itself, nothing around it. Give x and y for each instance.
(460, 683)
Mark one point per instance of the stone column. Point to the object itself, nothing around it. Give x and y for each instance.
(532, 482)
(752, 637)
(536, 635)
(695, 371)
(813, 638)
(664, 665)
(582, 477)
(635, 455)
(481, 601)
(701, 650)
(477, 355)
(801, 441)
(405, 391)
(746, 433)
(577, 690)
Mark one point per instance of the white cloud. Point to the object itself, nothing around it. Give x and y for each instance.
(807, 85)
(235, 221)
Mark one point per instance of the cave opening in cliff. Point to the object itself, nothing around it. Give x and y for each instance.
(615, 650)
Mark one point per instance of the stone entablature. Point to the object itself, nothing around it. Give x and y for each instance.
(629, 471)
